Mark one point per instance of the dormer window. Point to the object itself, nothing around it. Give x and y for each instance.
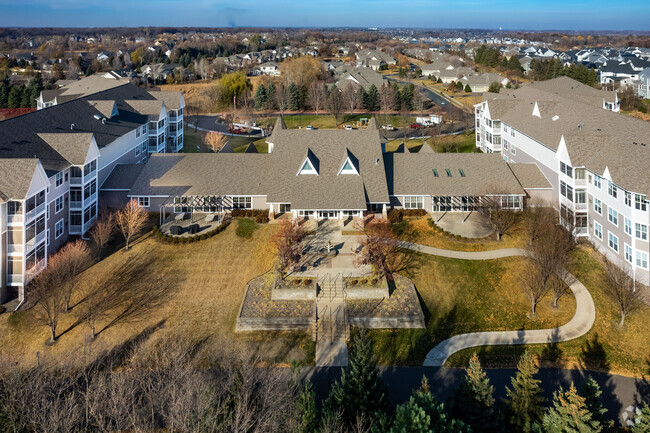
(308, 165)
(350, 164)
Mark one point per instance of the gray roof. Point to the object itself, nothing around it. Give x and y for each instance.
(251, 148)
(227, 148)
(530, 176)
(172, 100)
(16, 178)
(364, 77)
(122, 177)
(71, 146)
(412, 174)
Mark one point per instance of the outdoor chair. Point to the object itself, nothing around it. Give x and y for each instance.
(210, 217)
(180, 216)
(176, 230)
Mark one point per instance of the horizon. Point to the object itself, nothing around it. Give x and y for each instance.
(626, 16)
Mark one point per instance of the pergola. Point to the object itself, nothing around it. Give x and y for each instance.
(216, 204)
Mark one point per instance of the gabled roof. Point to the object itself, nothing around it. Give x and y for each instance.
(122, 177)
(279, 124)
(71, 146)
(350, 163)
(16, 176)
(530, 176)
(107, 108)
(251, 148)
(227, 148)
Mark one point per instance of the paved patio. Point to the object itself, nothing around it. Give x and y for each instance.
(189, 219)
(466, 224)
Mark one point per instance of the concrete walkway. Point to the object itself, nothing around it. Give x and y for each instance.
(578, 326)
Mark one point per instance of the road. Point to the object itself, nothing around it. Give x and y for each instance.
(619, 392)
(215, 123)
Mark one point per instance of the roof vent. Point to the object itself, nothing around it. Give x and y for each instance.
(72, 127)
(554, 118)
(580, 126)
(97, 117)
(103, 121)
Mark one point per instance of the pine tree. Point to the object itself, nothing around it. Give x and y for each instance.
(570, 414)
(591, 392)
(270, 96)
(371, 103)
(294, 98)
(15, 95)
(25, 97)
(423, 413)
(306, 414)
(642, 420)
(473, 400)
(260, 97)
(360, 391)
(468, 89)
(4, 97)
(525, 399)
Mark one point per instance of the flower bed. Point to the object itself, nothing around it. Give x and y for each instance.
(293, 288)
(365, 287)
(189, 239)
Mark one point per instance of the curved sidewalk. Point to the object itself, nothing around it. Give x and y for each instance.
(579, 325)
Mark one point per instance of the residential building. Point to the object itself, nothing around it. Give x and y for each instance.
(54, 160)
(595, 159)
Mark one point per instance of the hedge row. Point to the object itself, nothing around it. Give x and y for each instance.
(396, 216)
(189, 239)
(261, 215)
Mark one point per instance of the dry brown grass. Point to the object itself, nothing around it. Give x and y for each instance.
(191, 91)
(210, 278)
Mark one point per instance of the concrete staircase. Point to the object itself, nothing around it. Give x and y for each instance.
(332, 330)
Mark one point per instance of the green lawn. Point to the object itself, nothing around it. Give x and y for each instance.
(462, 143)
(193, 143)
(327, 121)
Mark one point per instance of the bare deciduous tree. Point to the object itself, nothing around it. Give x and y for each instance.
(500, 217)
(282, 98)
(621, 289)
(317, 95)
(102, 231)
(386, 98)
(46, 292)
(215, 141)
(288, 245)
(71, 260)
(351, 96)
(335, 104)
(130, 220)
(380, 250)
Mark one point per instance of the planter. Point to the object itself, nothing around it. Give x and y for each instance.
(294, 289)
(364, 288)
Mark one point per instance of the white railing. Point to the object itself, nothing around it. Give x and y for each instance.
(75, 180)
(89, 200)
(581, 231)
(15, 248)
(76, 204)
(34, 270)
(35, 212)
(40, 237)
(580, 182)
(89, 176)
(87, 225)
(75, 229)
(15, 218)
(581, 206)
(14, 280)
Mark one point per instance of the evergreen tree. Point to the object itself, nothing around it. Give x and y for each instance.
(514, 64)
(15, 95)
(570, 414)
(294, 98)
(4, 96)
(524, 401)
(473, 401)
(270, 96)
(423, 413)
(25, 97)
(591, 392)
(260, 97)
(360, 392)
(407, 96)
(439, 80)
(642, 420)
(306, 414)
(467, 88)
(371, 102)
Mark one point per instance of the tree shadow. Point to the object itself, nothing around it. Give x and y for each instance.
(643, 387)
(446, 325)
(551, 352)
(593, 355)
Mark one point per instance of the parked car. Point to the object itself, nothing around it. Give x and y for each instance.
(388, 127)
(309, 127)
(348, 127)
(416, 126)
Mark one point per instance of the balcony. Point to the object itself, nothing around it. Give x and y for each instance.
(87, 225)
(14, 280)
(75, 181)
(580, 182)
(581, 231)
(31, 243)
(580, 207)
(76, 204)
(15, 218)
(89, 200)
(75, 229)
(15, 248)
(89, 176)
(34, 270)
(35, 212)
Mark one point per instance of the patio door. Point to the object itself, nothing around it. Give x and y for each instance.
(327, 214)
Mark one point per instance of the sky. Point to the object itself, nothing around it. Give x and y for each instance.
(484, 14)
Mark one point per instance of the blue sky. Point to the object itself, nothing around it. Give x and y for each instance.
(487, 14)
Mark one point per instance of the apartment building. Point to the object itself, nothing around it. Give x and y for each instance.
(54, 160)
(597, 161)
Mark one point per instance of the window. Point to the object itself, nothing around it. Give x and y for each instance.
(58, 179)
(598, 206)
(641, 231)
(241, 203)
(137, 132)
(628, 226)
(413, 203)
(144, 129)
(144, 147)
(510, 202)
(58, 229)
(613, 241)
(435, 172)
(566, 169)
(581, 196)
(639, 202)
(598, 181)
(642, 259)
(628, 199)
(14, 265)
(612, 216)
(505, 144)
(462, 173)
(448, 172)
(137, 150)
(612, 190)
(598, 230)
(628, 253)
(513, 149)
(58, 204)
(143, 201)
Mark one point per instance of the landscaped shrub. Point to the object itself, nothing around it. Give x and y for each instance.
(261, 216)
(245, 228)
(198, 237)
(395, 216)
(414, 212)
(306, 282)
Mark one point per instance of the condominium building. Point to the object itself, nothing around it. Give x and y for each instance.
(54, 160)
(597, 161)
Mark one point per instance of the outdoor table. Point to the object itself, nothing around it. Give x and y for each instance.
(193, 229)
(175, 230)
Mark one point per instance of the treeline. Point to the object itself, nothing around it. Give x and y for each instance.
(548, 69)
(493, 58)
(20, 96)
(176, 386)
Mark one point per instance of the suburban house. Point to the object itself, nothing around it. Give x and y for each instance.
(481, 82)
(595, 159)
(269, 68)
(374, 59)
(362, 77)
(159, 71)
(53, 162)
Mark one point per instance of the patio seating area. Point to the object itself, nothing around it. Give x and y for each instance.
(187, 224)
